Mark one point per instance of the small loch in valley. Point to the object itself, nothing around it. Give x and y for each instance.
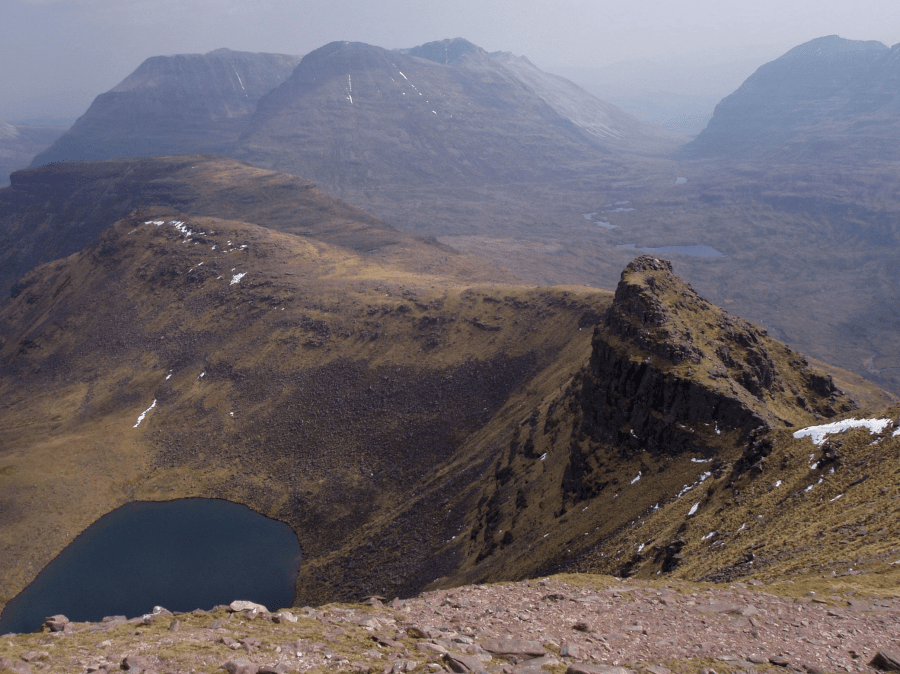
(183, 554)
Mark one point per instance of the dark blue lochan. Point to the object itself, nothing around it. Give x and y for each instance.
(183, 554)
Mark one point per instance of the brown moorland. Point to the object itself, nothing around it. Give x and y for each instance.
(413, 428)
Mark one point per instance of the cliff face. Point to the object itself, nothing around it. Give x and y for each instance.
(674, 393)
(666, 362)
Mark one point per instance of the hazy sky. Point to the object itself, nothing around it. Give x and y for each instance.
(68, 51)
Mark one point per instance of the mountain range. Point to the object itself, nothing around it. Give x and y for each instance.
(362, 352)
(553, 209)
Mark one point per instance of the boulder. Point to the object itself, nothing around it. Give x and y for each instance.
(240, 666)
(17, 667)
(463, 664)
(284, 617)
(56, 623)
(886, 660)
(241, 605)
(584, 668)
(135, 663)
(514, 647)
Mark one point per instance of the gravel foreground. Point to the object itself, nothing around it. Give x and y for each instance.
(575, 624)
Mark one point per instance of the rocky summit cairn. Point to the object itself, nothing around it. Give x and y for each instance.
(664, 359)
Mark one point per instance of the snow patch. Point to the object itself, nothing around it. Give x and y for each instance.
(239, 78)
(688, 487)
(143, 414)
(693, 508)
(237, 278)
(819, 433)
(778, 484)
(636, 478)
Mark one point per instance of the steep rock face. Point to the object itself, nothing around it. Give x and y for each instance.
(819, 98)
(665, 361)
(181, 104)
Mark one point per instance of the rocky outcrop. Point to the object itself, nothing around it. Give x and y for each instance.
(670, 373)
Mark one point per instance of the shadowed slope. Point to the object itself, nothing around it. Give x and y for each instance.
(326, 388)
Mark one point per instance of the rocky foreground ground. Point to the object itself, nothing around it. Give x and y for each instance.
(575, 624)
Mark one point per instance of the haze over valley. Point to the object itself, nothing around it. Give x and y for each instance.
(458, 319)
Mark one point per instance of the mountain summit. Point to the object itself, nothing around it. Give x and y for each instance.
(354, 116)
(181, 104)
(826, 96)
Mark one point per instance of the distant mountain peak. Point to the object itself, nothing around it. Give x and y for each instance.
(183, 103)
(828, 95)
(8, 130)
(833, 45)
(446, 51)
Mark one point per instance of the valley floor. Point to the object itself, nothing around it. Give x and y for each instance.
(580, 623)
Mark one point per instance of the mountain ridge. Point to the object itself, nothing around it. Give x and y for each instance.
(287, 355)
(87, 197)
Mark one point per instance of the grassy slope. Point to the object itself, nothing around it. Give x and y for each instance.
(353, 383)
(56, 210)
(414, 429)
